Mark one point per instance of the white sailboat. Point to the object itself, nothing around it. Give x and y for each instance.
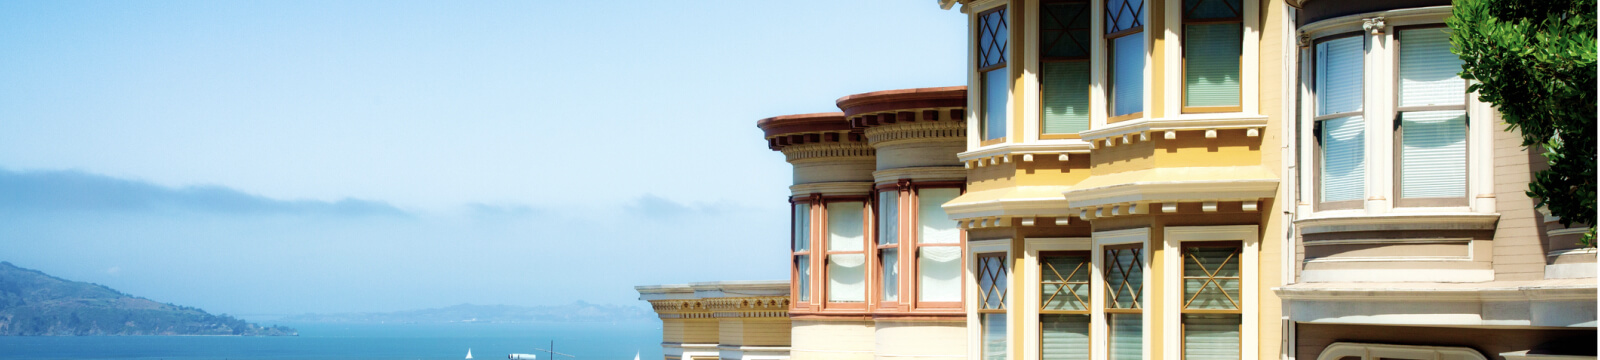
(635, 355)
(469, 353)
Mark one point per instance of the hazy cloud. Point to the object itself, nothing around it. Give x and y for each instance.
(80, 191)
(656, 207)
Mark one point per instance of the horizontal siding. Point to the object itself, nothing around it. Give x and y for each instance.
(1519, 241)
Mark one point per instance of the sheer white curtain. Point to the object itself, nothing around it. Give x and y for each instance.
(847, 273)
(938, 267)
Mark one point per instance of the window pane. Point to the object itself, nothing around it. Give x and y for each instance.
(802, 227)
(1124, 278)
(1433, 154)
(934, 226)
(802, 266)
(1211, 57)
(890, 258)
(1212, 9)
(1123, 15)
(888, 217)
(992, 281)
(1064, 337)
(1211, 278)
(1428, 69)
(1339, 71)
(844, 226)
(847, 277)
(994, 336)
(1211, 337)
(1066, 97)
(1064, 29)
(992, 38)
(1127, 74)
(995, 93)
(1064, 283)
(1343, 158)
(939, 273)
(1127, 336)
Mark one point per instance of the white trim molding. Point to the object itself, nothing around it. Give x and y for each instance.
(1100, 341)
(974, 323)
(1556, 303)
(1359, 220)
(1249, 237)
(1173, 191)
(1340, 350)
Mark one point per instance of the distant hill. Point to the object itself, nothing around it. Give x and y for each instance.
(33, 303)
(575, 312)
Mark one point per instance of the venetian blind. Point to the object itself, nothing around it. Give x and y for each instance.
(1433, 154)
(1211, 60)
(1343, 158)
(1127, 336)
(1211, 337)
(1066, 97)
(1338, 78)
(1428, 69)
(1065, 337)
(994, 336)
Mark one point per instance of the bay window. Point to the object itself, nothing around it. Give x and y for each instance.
(992, 280)
(888, 241)
(1124, 33)
(938, 249)
(800, 241)
(1064, 81)
(1064, 283)
(1431, 129)
(1213, 43)
(1340, 125)
(1124, 308)
(1211, 307)
(847, 258)
(993, 39)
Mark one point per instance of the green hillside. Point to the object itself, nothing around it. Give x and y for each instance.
(33, 303)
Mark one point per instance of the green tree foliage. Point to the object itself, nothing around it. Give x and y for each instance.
(1535, 61)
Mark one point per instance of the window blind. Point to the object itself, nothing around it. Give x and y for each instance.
(1127, 336)
(939, 273)
(994, 336)
(1066, 97)
(802, 227)
(1064, 337)
(995, 94)
(1433, 154)
(847, 277)
(1211, 278)
(1066, 283)
(844, 226)
(1211, 337)
(802, 266)
(1127, 79)
(891, 274)
(1211, 64)
(1338, 78)
(1428, 69)
(1343, 158)
(888, 217)
(935, 227)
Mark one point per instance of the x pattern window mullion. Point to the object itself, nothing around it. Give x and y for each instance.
(992, 268)
(991, 51)
(1130, 10)
(1211, 279)
(1127, 274)
(1064, 284)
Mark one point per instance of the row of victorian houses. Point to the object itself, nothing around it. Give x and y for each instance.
(1162, 179)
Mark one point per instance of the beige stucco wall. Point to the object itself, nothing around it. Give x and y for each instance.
(832, 339)
(920, 339)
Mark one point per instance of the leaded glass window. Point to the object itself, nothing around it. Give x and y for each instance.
(1064, 305)
(993, 39)
(992, 288)
(1125, 35)
(1212, 303)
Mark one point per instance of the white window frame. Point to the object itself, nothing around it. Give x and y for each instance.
(1249, 311)
(975, 79)
(1030, 294)
(1100, 341)
(1379, 89)
(974, 323)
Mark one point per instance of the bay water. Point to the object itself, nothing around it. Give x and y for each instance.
(585, 341)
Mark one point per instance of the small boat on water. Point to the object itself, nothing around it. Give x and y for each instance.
(635, 354)
(469, 353)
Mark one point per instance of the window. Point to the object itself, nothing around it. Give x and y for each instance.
(1064, 81)
(800, 240)
(1431, 127)
(847, 258)
(1340, 127)
(1064, 305)
(1124, 273)
(938, 248)
(1211, 300)
(1125, 35)
(1213, 42)
(992, 41)
(992, 281)
(888, 245)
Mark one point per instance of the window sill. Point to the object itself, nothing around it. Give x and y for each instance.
(1335, 221)
(1186, 122)
(1002, 153)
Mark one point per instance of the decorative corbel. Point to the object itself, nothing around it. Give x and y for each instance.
(1375, 25)
(1304, 40)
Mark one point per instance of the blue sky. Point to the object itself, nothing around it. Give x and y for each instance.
(281, 157)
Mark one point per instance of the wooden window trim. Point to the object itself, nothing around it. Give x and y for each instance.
(1138, 294)
(913, 204)
(1183, 327)
(1399, 130)
(1088, 302)
(795, 277)
(1316, 132)
(827, 255)
(876, 294)
(1003, 284)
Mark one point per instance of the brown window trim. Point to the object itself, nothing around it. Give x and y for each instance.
(1088, 304)
(795, 279)
(914, 274)
(1005, 287)
(1399, 131)
(1138, 294)
(827, 255)
(1316, 132)
(992, 141)
(877, 300)
(1121, 118)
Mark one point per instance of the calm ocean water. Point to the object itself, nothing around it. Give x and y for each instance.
(587, 341)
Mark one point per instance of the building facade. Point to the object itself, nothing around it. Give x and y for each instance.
(733, 320)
